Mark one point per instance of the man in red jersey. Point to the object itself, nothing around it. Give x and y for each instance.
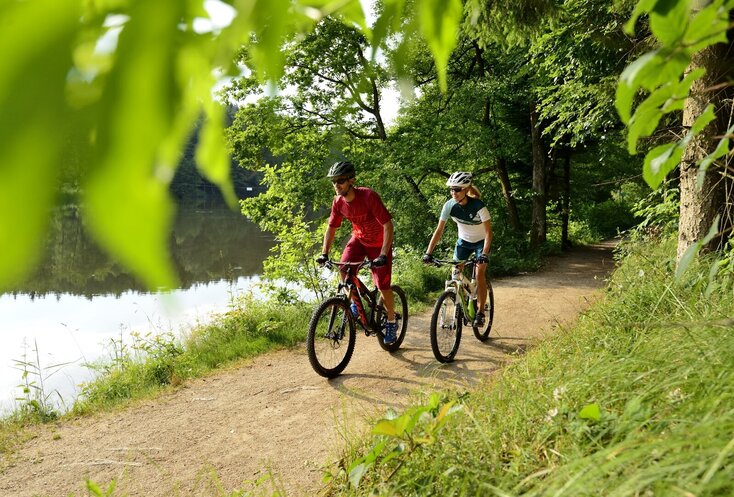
(372, 234)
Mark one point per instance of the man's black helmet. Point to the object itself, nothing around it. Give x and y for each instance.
(341, 168)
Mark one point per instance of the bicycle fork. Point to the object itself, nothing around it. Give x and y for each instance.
(337, 334)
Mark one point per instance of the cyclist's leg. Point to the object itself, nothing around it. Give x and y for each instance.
(462, 251)
(353, 252)
(382, 278)
(481, 276)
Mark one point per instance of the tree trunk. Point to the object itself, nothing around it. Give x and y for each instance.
(538, 224)
(513, 217)
(566, 201)
(700, 206)
(420, 196)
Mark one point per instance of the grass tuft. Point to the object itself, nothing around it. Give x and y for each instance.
(153, 363)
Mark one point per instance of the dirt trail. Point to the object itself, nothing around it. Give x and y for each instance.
(275, 416)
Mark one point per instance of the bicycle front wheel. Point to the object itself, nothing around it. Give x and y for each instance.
(331, 337)
(482, 333)
(446, 327)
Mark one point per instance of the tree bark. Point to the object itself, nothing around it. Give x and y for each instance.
(700, 206)
(513, 217)
(538, 227)
(566, 201)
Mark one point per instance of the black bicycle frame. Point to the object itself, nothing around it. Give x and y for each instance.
(356, 291)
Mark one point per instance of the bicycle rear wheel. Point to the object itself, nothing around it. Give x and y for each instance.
(401, 318)
(446, 327)
(331, 337)
(482, 333)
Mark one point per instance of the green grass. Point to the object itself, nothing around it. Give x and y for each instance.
(151, 364)
(154, 363)
(637, 399)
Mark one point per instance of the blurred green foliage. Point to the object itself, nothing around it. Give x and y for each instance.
(112, 89)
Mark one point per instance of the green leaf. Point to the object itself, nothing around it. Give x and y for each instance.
(692, 251)
(707, 27)
(34, 40)
(721, 149)
(625, 95)
(647, 116)
(713, 230)
(439, 22)
(711, 286)
(211, 154)
(591, 411)
(642, 7)
(126, 200)
(388, 22)
(703, 120)
(376, 451)
(681, 90)
(629, 82)
(356, 474)
(386, 427)
(94, 488)
(667, 98)
(686, 260)
(270, 18)
(350, 12)
(669, 20)
(659, 162)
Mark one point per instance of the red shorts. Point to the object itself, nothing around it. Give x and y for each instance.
(356, 252)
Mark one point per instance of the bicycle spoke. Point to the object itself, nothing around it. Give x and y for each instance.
(446, 327)
(331, 337)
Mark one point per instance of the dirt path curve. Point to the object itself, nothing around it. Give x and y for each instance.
(276, 416)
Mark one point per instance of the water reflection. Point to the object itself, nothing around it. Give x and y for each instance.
(79, 299)
(207, 244)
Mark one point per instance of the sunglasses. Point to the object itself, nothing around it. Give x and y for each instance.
(455, 189)
(340, 181)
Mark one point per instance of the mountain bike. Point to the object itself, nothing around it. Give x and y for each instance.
(457, 306)
(332, 329)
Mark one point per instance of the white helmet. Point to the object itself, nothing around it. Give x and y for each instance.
(459, 178)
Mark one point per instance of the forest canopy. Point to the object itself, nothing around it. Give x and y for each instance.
(520, 93)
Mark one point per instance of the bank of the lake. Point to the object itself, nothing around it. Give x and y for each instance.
(140, 365)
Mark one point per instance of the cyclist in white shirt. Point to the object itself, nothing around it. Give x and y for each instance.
(475, 231)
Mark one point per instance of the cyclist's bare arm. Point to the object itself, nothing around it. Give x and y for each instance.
(328, 239)
(436, 236)
(487, 237)
(388, 232)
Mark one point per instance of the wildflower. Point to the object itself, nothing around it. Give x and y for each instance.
(551, 414)
(558, 392)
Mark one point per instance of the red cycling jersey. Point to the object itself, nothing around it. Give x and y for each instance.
(367, 214)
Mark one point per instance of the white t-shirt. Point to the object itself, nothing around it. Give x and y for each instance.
(468, 218)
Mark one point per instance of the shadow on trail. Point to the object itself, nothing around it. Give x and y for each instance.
(581, 274)
(341, 385)
(509, 349)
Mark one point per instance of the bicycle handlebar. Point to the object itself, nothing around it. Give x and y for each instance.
(439, 262)
(358, 265)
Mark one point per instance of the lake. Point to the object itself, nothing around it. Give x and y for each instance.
(79, 300)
